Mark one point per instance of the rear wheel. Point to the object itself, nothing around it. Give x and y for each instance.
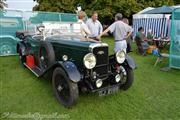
(46, 55)
(127, 77)
(65, 90)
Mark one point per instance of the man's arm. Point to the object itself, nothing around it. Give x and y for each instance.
(111, 28)
(100, 28)
(104, 32)
(129, 33)
(86, 29)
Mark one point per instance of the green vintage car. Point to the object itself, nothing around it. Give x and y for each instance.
(76, 63)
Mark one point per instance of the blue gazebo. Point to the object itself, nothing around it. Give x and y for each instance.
(157, 19)
(160, 10)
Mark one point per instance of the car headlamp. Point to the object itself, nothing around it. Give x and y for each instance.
(117, 78)
(99, 83)
(120, 57)
(89, 61)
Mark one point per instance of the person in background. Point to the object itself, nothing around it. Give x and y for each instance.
(129, 39)
(150, 37)
(141, 44)
(84, 29)
(119, 30)
(94, 26)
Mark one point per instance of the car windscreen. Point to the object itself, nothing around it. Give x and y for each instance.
(36, 18)
(61, 28)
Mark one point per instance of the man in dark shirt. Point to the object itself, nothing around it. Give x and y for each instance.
(141, 44)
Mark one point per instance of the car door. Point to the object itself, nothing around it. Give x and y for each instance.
(34, 44)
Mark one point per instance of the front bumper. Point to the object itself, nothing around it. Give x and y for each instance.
(107, 90)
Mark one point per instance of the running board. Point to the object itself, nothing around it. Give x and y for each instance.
(36, 70)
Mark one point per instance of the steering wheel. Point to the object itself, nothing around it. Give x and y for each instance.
(40, 28)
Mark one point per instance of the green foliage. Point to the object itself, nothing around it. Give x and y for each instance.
(106, 8)
(176, 2)
(2, 4)
(55, 5)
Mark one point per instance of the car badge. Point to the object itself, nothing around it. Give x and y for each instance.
(100, 52)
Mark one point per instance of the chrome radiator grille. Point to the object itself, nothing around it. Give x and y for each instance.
(102, 58)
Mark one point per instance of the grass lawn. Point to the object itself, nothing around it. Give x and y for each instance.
(154, 94)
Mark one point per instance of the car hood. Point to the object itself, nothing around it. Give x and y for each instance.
(73, 40)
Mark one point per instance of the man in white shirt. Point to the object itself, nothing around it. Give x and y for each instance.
(94, 26)
(84, 29)
(121, 32)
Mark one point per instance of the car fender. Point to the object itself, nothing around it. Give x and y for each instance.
(130, 62)
(71, 70)
(23, 48)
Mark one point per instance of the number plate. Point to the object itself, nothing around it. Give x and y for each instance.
(108, 91)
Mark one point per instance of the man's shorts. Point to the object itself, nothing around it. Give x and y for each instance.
(120, 45)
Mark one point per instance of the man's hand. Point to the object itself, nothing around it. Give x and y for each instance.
(98, 37)
(126, 37)
(104, 32)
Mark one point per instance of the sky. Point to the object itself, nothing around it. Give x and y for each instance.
(20, 4)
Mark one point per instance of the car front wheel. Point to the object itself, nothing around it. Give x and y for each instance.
(128, 77)
(65, 90)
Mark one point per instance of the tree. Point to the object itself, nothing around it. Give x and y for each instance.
(2, 4)
(176, 2)
(106, 8)
(55, 5)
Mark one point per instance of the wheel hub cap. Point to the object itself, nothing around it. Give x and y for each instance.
(59, 88)
(5, 49)
(42, 58)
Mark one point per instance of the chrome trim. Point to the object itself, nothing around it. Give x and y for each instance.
(93, 45)
(119, 51)
(84, 59)
(31, 70)
(64, 57)
(100, 52)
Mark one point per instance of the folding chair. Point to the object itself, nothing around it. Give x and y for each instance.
(161, 56)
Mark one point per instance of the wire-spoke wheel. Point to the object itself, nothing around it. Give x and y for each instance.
(65, 90)
(46, 55)
(127, 76)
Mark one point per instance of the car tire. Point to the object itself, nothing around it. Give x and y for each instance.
(65, 90)
(6, 48)
(46, 55)
(129, 78)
